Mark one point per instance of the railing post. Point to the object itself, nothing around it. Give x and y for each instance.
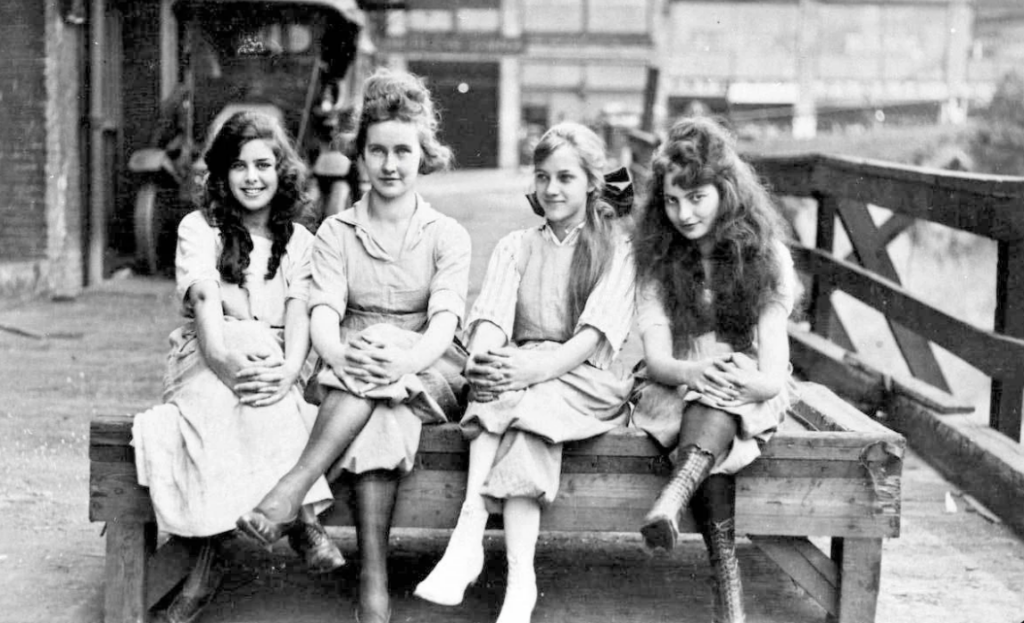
(1008, 394)
(820, 309)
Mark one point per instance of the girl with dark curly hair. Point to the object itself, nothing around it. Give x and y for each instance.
(390, 276)
(716, 286)
(234, 419)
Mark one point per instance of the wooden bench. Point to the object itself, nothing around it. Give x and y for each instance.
(830, 472)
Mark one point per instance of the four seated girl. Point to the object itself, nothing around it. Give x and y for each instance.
(714, 287)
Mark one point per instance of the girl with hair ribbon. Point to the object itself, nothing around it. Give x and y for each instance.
(233, 419)
(716, 285)
(390, 276)
(555, 307)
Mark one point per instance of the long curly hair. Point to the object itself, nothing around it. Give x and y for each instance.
(745, 269)
(223, 210)
(593, 251)
(393, 95)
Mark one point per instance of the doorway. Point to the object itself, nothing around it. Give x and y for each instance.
(467, 96)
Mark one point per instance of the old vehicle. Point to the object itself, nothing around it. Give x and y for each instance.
(300, 61)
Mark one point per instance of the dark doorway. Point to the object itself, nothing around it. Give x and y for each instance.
(467, 94)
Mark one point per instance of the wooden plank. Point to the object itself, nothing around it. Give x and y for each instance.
(127, 546)
(786, 525)
(996, 474)
(859, 573)
(811, 569)
(985, 205)
(1007, 402)
(586, 502)
(821, 405)
(871, 250)
(817, 359)
(996, 355)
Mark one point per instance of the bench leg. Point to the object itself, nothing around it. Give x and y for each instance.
(129, 544)
(860, 569)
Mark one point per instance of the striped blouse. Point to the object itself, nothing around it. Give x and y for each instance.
(525, 292)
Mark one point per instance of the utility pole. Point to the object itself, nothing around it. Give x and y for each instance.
(805, 117)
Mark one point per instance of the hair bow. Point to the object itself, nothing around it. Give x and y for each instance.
(618, 193)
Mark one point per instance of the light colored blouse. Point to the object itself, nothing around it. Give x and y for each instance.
(199, 249)
(352, 272)
(525, 293)
(651, 310)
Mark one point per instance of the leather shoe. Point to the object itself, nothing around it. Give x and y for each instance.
(261, 528)
(312, 542)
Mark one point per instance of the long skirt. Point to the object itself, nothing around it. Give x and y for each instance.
(534, 423)
(205, 457)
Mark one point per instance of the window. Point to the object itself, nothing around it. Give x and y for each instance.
(430, 20)
(478, 20)
(618, 16)
(553, 15)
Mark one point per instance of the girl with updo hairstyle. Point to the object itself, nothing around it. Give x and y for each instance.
(390, 276)
(716, 285)
(553, 312)
(234, 419)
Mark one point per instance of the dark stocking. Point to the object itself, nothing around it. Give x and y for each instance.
(375, 494)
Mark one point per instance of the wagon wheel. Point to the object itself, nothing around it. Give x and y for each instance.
(154, 214)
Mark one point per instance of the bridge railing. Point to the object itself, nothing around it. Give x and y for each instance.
(843, 188)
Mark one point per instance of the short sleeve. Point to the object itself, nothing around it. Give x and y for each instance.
(195, 258)
(329, 279)
(450, 282)
(611, 305)
(788, 290)
(498, 294)
(650, 310)
(298, 267)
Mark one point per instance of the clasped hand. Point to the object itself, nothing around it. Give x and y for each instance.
(503, 369)
(260, 378)
(371, 361)
(730, 380)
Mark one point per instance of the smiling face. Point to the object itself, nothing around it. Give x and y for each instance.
(692, 211)
(252, 177)
(562, 188)
(392, 158)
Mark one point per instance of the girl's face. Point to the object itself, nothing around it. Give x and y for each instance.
(392, 157)
(692, 211)
(252, 177)
(562, 187)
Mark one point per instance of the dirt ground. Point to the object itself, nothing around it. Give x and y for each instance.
(62, 362)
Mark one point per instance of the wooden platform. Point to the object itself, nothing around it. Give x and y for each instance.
(829, 472)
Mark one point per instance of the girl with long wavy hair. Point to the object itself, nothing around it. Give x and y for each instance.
(555, 307)
(716, 286)
(390, 276)
(234, 419)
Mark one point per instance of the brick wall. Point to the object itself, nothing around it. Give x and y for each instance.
(23, 233)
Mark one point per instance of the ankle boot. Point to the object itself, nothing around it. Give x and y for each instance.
(520, 592)
(462, 562)
(727, 589)
(199, 587)
(375, 494)
(661, 527)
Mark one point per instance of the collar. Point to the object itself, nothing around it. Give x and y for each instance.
(570, 238)
(358, 217)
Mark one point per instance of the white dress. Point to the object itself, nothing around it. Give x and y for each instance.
(206, 458)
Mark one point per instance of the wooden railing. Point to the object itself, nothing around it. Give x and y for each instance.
(843, 188)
